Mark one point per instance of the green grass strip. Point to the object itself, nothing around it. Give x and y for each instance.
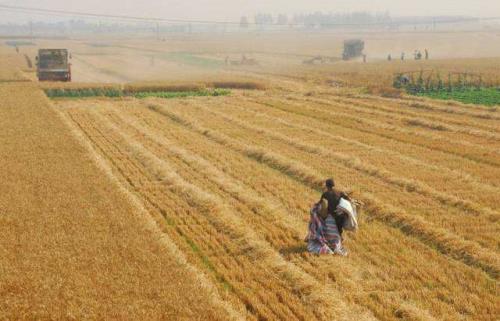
(481, 96)
(83, 92)
(116, 92)
(182, 94)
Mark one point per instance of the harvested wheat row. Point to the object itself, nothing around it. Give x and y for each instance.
(134, 121)
(238, 227)
(306, 128)
(169, 141)
(447, 115)
(176, 253)
(352, 176)
(458, 248)
(465, 149)
(356, 163)
(480, 173)
(66, 219)
(434, 122)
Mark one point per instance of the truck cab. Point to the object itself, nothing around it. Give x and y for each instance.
(53, 65)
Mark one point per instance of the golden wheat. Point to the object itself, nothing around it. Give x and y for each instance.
(196, 208)
(191, 144)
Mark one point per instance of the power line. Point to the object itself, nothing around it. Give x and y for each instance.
(44, 14)
(164, 20)
(119, 17)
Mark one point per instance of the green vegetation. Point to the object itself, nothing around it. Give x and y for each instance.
(181, 94)
(464, 87)
(118, 92)
(83, 92)
(481, 96)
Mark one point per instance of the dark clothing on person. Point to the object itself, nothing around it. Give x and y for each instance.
(339, 220)
(333, 197)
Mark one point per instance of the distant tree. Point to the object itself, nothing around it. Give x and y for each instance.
(263, 19)
(244, 22)
(325, 20)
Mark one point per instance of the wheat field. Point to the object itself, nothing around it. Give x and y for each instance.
(429, 243)
(196, 208)
(75, 244)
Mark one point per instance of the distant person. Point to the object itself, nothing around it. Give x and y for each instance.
(402, 56)
(17, 49)
(389, 57)
(404, 80)
(364, 58)
(426, 54)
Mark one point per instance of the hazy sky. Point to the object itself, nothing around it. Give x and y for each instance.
(233, 9)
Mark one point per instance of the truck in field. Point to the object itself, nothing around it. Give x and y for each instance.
(53, 65)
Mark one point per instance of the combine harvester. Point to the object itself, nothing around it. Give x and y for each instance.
(53, 65)
(353, 48)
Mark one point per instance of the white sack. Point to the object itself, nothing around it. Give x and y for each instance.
(351, 221)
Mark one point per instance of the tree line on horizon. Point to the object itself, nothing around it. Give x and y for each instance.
(317, 19)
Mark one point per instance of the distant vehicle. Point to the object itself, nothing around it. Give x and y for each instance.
(353, 48)
(53, 65)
